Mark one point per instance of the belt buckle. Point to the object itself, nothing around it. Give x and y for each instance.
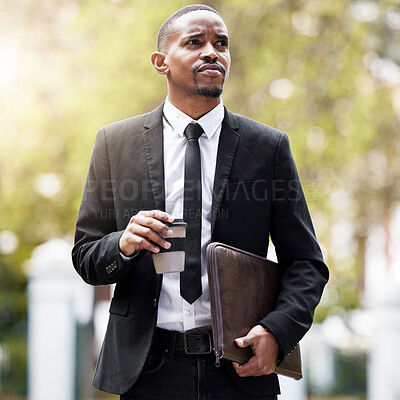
(195, 334)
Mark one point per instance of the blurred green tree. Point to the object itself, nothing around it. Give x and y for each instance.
(12, 328)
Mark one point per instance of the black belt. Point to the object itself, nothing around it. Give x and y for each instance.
(192, 342)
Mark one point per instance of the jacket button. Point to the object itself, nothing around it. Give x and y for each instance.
(154, 303)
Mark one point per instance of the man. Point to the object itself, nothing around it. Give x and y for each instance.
(147, 170)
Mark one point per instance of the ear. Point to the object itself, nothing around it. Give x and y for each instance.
(158, 60)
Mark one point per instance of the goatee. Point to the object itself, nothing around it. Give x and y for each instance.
(215, 92)
(209, 92)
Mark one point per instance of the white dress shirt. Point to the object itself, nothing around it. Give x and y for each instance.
(175, 313)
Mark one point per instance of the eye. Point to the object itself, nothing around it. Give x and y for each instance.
(193, 42)
(223, 43)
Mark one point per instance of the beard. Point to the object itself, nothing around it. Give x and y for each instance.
(207, 92)
(215, 91)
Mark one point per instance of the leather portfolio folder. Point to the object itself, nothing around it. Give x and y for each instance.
(243, 290)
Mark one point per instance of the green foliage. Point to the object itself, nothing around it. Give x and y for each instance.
(12, 328)
(14, 375)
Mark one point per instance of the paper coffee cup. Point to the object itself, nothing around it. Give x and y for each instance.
(172, 259)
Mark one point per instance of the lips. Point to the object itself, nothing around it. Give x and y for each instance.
(211, 67)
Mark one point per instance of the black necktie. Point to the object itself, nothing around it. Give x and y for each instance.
(191, 277)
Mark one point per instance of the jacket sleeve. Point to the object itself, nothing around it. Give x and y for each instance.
(95, 254)
(304, 273)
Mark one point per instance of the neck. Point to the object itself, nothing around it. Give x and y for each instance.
(194, 106)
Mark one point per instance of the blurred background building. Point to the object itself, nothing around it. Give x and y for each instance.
(325, 72)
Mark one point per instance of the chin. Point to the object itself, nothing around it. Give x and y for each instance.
(209, 92)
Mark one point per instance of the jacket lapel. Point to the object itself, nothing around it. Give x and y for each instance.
(228, 141)
(154, 152)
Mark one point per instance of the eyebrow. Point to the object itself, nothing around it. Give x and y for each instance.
(222, 36)
(197, 35)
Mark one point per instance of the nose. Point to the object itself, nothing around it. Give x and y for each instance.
(208, 53)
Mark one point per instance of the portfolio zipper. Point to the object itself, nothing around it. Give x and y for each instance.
(216, 309)
(217, 358)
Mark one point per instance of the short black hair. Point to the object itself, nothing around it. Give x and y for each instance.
(166, 30)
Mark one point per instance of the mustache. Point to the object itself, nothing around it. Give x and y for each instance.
(215, 63)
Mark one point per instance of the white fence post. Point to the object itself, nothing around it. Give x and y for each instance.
(384, 355)
(51, 322)
(382, 296)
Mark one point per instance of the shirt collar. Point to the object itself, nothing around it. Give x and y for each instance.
(210, 122)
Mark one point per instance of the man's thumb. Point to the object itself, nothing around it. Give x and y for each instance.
(242, 342)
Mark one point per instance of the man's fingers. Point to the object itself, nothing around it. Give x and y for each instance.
(248, 369)
(150, 235)
(133, 242)
(150, 222)
(242, 342)
(143, 229)
(157, 214)
(253, 367)
(265, 351)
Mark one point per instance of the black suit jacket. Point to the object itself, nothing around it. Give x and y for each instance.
(256, 193)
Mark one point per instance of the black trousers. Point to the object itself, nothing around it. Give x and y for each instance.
(174, 375)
